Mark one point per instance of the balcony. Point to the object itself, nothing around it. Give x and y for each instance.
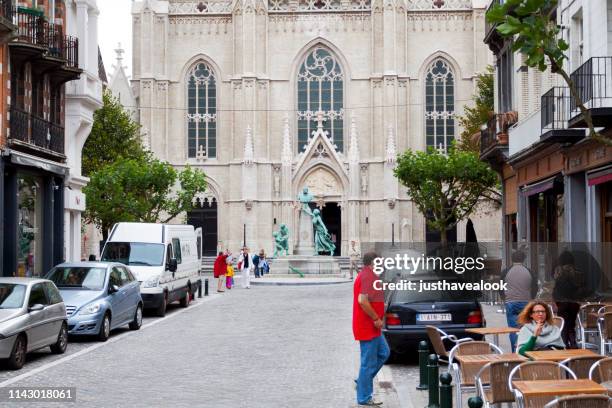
(35, 135)
(45, 45)
(494, 139)
(555, 111)
(6, 20)
(492, 38)
(593, 81)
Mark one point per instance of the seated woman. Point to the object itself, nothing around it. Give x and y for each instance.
(538, 331)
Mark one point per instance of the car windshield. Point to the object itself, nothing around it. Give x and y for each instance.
(11, 295)
(134, 253)
(78, 277)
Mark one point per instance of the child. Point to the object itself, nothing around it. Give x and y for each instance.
(229, 276)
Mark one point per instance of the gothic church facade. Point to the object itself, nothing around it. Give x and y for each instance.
(238, 88)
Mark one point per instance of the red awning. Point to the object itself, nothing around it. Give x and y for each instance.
(600, 177)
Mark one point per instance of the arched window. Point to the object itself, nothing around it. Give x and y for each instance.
(439, 105)
(201, 112)
(319, 88)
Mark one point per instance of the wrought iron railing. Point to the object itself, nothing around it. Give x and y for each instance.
(496, 132)
(555, 108)
(32, 28)
(36, 131)
(593, 81)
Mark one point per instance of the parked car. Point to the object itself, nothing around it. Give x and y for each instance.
(32, 316)
(99, 297)
(165, 258)
(408, 312)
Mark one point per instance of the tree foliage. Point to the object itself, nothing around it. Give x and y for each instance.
(113, 135)
(530, 25)
(140, 190)
(475, 116)
(445, 188)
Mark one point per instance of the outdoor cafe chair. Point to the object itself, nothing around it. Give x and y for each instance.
(464, 374)
(587, 323)
(581, 365)
(604, 326)
(537, 370)
(601, 372)
(437, 337)
(559, 322)
(580, 401)
(495, 374)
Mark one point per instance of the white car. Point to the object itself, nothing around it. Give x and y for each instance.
(32, 316)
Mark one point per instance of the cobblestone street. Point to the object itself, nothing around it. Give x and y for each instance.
(264, 347)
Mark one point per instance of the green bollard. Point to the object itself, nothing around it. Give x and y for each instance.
(446, 391)
(423, 353)
(432, 375)
(475, 402)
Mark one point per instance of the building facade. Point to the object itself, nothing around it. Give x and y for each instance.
(237, 88)
(557, 181)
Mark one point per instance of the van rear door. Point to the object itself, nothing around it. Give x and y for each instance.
(199, 243)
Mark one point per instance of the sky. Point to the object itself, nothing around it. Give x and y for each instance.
(115, 26)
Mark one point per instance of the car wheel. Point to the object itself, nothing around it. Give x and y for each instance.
(62, 341)
(18, 354)
(161, 310)
(185, 299)
(104, 333)
(137, 322)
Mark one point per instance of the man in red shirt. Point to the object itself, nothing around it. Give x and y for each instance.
(368, 312)
(220, 269)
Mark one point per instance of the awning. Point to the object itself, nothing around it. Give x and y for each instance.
(536, 188)
(599, 177)
(36, 162)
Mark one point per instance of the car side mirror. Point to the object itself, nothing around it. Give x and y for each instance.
(172, 265)
(35, 308)
(113, 289)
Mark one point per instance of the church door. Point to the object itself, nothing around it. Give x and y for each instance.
(206, 217)
(332, 217)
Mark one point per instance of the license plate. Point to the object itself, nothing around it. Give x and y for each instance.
(434, 317)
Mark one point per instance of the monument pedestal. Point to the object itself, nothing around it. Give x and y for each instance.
(305, 238)
(308, 265)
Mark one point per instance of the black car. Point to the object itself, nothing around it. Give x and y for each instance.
(408, 312)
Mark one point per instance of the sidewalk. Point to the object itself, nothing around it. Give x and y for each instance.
(384, 390)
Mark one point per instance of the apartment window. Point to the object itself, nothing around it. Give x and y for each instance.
(576, 40)
(504, 79)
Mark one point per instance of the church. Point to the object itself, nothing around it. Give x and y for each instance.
(270, 96)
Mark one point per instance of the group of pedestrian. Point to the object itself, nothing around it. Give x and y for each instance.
(246, 263)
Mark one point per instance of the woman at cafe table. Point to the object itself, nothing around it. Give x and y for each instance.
(538, 331)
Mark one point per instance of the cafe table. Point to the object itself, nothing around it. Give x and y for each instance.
(559, 355)
(495, 331)
(555, 388)
(471, 364)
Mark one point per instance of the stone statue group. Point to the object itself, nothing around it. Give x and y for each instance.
(322, 239)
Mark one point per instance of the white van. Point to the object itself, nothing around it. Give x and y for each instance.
(165, 258)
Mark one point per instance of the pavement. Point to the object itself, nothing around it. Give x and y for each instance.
(268, 347)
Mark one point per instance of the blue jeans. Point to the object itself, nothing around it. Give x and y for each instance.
(374, 353)
(512, 311)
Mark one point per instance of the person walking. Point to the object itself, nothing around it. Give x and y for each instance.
(220, 269)
(263, 263)
(520, 290)
(256, 265)
(368, 311)
(246, 266)
(354, 255)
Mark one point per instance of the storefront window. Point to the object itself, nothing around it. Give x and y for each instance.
(29, 227)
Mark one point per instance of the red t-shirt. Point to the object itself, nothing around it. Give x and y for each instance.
(363, 325)
(220, 266)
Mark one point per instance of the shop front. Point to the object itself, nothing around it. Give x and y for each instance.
(32, 211)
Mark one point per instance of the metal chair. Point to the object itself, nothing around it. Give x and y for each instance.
(497, 392)
(559, 322)
(604, 326)
(601, 372)
(537, 370)
(437, 337)
(464, 374)
(581, 365)
(587, 323)
(581, 401)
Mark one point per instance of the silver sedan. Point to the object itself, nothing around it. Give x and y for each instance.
(32, 316)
